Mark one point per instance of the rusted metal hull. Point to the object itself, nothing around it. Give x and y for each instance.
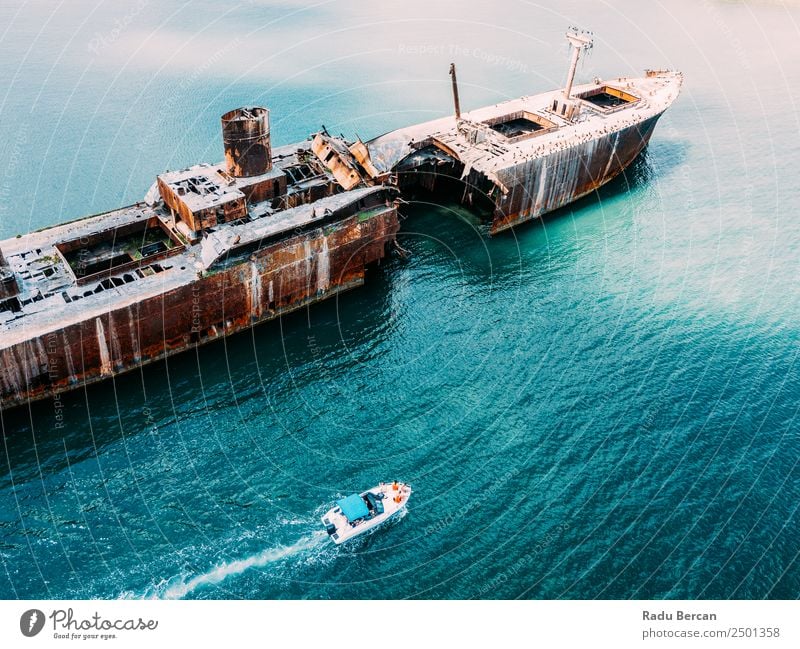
(214, 249)
(534, 154)
(278, 278)
(541, 185)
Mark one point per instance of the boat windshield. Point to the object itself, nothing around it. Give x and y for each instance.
(374, 503)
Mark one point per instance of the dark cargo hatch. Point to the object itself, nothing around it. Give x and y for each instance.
(607, 97)
(519, 125)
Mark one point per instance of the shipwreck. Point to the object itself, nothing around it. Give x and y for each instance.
(215, 249)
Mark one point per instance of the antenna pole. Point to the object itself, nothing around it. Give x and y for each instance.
(455, 90)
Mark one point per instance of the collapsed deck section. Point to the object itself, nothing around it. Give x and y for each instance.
(109, 252)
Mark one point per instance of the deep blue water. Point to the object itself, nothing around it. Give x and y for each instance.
(600, 405)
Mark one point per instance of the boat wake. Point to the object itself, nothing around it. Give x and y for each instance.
(182, 587)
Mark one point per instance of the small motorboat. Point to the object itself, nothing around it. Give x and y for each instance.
(359, 513)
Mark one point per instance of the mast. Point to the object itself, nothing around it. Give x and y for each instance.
(580, 40)
(455, 90)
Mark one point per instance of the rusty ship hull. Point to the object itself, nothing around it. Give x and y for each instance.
(212, 250)
(173, 310)
(564, 177)
(216, 249)
(521, 159)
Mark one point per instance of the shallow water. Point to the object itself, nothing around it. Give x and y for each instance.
(600, 405)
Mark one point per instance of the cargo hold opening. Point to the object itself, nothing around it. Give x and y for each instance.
(607, 97)
(114, 251)
(519, 125)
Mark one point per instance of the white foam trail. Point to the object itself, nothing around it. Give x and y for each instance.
(222, 572)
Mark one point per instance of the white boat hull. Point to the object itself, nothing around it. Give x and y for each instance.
(394, 501)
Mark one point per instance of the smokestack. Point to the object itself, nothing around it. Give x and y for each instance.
(245, 136)
(455, 90)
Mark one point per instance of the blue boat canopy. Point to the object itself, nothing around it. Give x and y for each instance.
(353, 507)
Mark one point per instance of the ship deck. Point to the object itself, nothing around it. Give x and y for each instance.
(53, 295)
(479, 144)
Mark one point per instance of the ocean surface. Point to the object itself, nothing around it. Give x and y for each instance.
(600, 405)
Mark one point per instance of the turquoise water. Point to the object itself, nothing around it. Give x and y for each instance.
(602, 405)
